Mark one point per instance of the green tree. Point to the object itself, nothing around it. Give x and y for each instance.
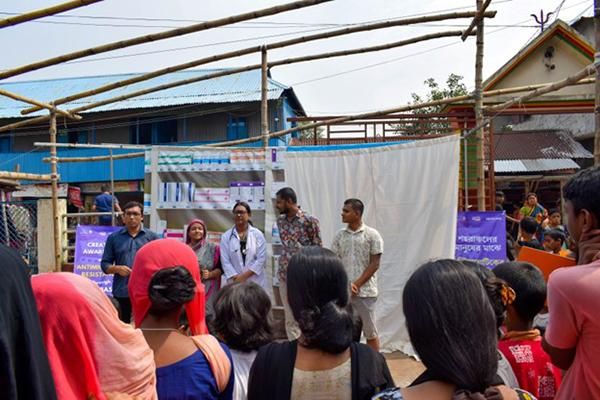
(454, 87)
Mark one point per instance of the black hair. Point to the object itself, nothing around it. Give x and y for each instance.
(530, 194)
(554, 211)
(132, 204)
(356, 205)
(451, 324)
(287, 193)
(243, 204)
(493, 288)
(242, 316)
(529, 225)
(170, 289)
(529, 285)
(556, 234)
(318, 293)
(583, 191)
(499, 193)
(104, 188)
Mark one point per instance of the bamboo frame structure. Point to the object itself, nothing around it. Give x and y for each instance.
(270, 46)
(475, 20)
(47, 106)
(159, 36)
(95, 158)
(568, 81)
(264, 105)
(233, 71)
(44, 12)
(478, 97)
(54, 185)
(24, 176)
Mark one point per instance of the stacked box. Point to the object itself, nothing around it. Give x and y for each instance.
(177, 234)
(210, 161)
(212, 198)
(252, 193)
(278, 158)
(174, 161)
(247, 160)
(147, 203)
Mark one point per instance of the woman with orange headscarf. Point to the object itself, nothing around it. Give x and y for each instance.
(209, 260)
(93, 355)
(165, 279)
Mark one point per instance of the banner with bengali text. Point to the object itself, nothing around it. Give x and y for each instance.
(481, 237)
(89, 247)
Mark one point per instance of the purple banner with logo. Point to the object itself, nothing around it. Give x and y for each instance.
(89, 247)
(481, 237)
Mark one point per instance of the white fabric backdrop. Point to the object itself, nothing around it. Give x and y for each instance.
(410, 193)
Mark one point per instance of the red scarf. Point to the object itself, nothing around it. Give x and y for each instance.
(155, 256)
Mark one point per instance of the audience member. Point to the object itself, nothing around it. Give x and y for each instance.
(528, 228)
(554, 241)
(572, 338)
(165, 279)
(452, 327)
(324, 363)
(24, 368)
(209, 261)
(522, 344)
(91, 352)
(533, 209)
(243, 322)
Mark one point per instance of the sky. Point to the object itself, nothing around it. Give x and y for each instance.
(344, 85)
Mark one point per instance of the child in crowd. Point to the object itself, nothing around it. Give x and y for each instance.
(522, 345)
(553, 221)
(554, 241)
(527, 229)
(243, 322)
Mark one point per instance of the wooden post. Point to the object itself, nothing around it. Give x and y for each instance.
(54, 180)
(597, 65)
(479, 135)
(112, 187)
(264, 108)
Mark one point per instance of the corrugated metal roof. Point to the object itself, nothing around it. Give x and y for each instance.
(531, 145)
(539, 165)
(242, 87)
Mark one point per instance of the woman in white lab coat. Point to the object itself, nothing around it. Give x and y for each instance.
(243, 249)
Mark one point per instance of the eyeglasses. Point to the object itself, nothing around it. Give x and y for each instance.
(133, 214)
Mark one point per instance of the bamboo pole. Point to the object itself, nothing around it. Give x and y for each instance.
(40, 104)
(159, 36)
(24, 176)
(54, 182)
(44, 12)
(95, 158)
(597, 88)
(478, 97)
(475, 20)
(257, 66)
(264, 107)
(552, 87)
(490, 93)
(270, 46)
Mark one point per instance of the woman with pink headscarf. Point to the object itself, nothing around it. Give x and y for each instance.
(209, 260)
(92, 354)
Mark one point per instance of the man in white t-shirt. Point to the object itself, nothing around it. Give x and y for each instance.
(360, 248)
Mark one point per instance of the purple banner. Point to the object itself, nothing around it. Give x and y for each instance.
(481, 237)
(89, 247)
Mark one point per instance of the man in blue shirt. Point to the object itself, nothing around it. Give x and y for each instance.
(119, 252)
(105, 202)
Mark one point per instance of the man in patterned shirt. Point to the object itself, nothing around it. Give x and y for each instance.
(296, 230)
(360, 248)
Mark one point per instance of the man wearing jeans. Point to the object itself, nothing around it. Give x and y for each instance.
(360, 248)
(119, 252)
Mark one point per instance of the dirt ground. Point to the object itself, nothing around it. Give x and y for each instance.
(403, 368)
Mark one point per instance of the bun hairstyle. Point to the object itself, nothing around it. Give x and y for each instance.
(318, 293)
(170, 289)
(452, 326)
